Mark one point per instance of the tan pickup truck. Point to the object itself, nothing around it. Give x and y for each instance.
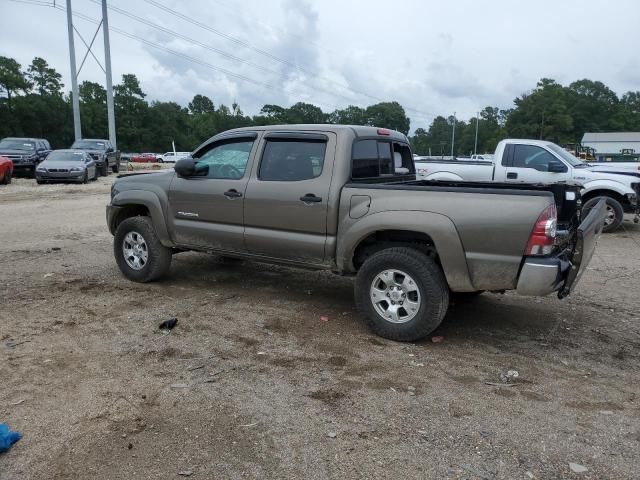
(346, 199)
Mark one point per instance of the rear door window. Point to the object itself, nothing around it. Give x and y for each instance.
(285, 160)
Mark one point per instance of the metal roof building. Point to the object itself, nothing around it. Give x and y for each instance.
(613, 142)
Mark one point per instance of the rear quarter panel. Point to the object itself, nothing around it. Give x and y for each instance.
(480, 237)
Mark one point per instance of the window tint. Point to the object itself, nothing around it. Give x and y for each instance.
(291, 160)
(530, 156)
(227, 160)
(373, 158)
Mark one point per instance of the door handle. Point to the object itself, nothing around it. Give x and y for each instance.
(512, 175)
(311, 198)
(233, 193)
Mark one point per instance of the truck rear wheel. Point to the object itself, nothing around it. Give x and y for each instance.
(402, 294)
(138, 251)
(615, 212)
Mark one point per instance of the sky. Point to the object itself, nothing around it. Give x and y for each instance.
(434, 58)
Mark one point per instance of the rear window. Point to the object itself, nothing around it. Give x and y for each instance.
(375, 158)
(65, 156)
(89, 145)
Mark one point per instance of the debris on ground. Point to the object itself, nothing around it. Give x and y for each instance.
(7, 437)
(185, 473)
(508, 376)
(577, 468)
(413, 363)
(324, 318)
(437, 339)
(176, 386)
(495, 384)
(168, 324)
(332, 434)
(196, 367)
(47, 275)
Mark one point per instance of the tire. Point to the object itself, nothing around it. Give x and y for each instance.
(158, 259)
(428, 280)
(615, 212)
(7, 177)
(115, 168)
(104, 170)
(85, 179)
(95, 174)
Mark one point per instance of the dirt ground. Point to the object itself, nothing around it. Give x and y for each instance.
(253, 384)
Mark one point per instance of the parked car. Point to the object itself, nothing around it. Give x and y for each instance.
(6, 170)
(25, 153)
(533, 161)
(346, 199)
(126, 156)
(67, 165)
(172, 157)
(144, 158)
(106, 157)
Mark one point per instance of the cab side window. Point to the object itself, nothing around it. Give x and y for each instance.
(226, 160)
(530, 156)
(292, 160)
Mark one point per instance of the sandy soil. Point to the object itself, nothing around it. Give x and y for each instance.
(253, 384)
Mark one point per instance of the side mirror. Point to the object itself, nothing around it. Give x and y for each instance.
(186, 167)
(109, 150)
(556, 167)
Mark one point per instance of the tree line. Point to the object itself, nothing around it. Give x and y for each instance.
(33, 103)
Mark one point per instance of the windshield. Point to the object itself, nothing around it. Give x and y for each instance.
(89, 145)
(17, 145)
(567, 157)
(65, 157)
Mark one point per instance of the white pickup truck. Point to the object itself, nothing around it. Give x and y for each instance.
(537, 161)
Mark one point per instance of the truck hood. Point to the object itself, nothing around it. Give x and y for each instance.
(23, 153)
(586, 175)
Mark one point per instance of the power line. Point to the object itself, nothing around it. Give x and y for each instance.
(221, 52)
(240, 42)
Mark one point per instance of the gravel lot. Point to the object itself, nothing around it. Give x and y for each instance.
(253, 384)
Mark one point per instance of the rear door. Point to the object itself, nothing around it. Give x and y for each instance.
(287, 196)
(530, 164)
(206, 210)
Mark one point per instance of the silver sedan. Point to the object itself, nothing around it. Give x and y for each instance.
(67, 165)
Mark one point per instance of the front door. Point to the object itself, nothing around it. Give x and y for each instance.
(206, 209)
(530, 164)
(287, 197)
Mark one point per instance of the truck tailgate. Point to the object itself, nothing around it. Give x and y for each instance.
(587, 236)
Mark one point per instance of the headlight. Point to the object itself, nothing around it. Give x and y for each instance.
(77, 169)
(114, 190)
(41, 169)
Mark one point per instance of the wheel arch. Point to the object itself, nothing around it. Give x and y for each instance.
(432, 233)
(132, 203)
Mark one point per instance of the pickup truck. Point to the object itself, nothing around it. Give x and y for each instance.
(102, 151)
(25, 153)
(537, 161)
(346, 199)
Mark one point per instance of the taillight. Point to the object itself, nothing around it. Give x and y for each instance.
(384, 131)
(543, 236)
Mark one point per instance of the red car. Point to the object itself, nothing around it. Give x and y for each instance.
(144, 158)
(6, 170)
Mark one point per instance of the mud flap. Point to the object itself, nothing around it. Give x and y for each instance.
(587, 236)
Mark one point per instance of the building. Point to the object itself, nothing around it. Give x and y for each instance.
(613, 146)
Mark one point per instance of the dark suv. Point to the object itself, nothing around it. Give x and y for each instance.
(102, 151)
(26, 153)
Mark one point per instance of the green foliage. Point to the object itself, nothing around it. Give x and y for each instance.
(32, 103)
(44, 79)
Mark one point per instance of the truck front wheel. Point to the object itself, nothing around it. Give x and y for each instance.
(615, 212)
(138, 251)
(402, 294)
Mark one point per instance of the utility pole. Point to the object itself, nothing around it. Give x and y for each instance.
(107, 66)
(77, 129)
(475, 145)
(453, 134)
